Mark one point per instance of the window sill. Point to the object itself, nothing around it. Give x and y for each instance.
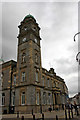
(37, 82)
(23, 62)
(37, 104)
(13, 105)
(22, 104)
(3, 105)
(14, 85)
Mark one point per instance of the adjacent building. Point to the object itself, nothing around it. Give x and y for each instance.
(75, 98)
(25, 84)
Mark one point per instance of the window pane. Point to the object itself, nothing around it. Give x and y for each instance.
(13, 98)
(14, 80)
(37, 95)
(36, 57)
(23, 57)
(54, 84)
(3, 98)
(48, 82)
(23, 76)
(43, 80)
(36, 76)
(23, 98)
(49, 98)
(44, 98)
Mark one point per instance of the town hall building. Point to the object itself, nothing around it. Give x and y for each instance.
(26, 85)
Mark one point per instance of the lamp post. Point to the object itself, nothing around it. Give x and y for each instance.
(75, 35)
(78, 60)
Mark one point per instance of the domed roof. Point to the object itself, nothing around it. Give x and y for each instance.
(29, 16)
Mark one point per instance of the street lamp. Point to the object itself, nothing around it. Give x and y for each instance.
(75, 35)
(78, 60)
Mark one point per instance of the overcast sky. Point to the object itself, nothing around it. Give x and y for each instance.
(59, 23)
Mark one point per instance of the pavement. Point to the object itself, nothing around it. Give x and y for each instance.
(54, 115)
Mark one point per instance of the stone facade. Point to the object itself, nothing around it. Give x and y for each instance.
(25, 84)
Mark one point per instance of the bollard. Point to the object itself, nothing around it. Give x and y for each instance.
(41, 109)
(72, 112)
(77, 112)
(56, 117)
(33, 117)
(65, 114)
(17, 114)
(22, 118)
(42, 116)
(69, 113)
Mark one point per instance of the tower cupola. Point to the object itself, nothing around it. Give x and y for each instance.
(29, 30)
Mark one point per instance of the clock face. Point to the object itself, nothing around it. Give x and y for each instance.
(24, 39)
(25, 28)
(35, 40)
(34, 28)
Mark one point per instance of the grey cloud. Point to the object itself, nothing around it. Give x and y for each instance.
(65, 66)
(8, 52)
(72, 85)
(40, 1)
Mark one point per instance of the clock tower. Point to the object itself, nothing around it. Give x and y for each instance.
(26, 85)
(29, 53)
